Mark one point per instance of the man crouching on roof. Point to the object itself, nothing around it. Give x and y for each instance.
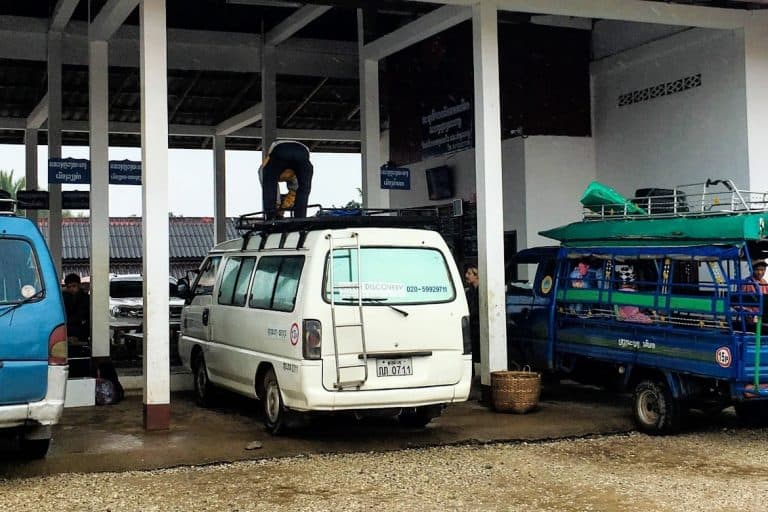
(288, 161)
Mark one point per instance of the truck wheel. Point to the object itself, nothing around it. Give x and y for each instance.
(34, 448)
(752, 413)
(272, 402)
(656, 411)
(204, 391)
(419, 417)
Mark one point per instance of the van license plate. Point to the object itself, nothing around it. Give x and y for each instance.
(394, 367)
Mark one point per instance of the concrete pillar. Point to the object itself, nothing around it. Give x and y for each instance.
(154, 176)
(268, 97)
(219, 189)
(370, 135)
(54, 145)
(756, 82)
(30, 151)
(98, 120)
(490, 220)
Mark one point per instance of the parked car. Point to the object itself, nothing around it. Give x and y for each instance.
(33, 336)
(126, 312)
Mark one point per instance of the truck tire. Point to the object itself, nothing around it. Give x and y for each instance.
(419, 417)
(752, 413)
(655, 410)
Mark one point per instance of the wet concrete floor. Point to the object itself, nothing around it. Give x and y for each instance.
(112, 438)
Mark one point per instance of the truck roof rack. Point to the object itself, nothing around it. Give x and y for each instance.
(712, 197)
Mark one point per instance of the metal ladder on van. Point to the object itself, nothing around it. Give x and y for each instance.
(358, 324)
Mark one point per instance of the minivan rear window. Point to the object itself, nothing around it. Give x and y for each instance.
(390, 275)
(19, 272)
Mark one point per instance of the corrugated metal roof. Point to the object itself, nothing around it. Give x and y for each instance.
(189, 237)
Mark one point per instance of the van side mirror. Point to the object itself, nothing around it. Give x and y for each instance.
(182, 288)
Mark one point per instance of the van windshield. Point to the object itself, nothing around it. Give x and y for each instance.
(19, 272)
(390, 275)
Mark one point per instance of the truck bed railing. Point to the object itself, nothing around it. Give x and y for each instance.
(712, 197)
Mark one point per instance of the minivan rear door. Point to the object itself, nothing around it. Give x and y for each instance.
(23, 337)
(410, 310)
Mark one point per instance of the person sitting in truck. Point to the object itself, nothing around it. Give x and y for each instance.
(756, 285)
(628, 313)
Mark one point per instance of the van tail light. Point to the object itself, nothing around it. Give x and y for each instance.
(57, 346)
(466, 336)
(313, 339)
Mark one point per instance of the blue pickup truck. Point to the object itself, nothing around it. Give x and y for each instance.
(663, 305)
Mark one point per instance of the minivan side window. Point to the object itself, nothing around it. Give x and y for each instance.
(276, 282)
(207, 277)
(19, 273)
(228, 280)
(243, 280)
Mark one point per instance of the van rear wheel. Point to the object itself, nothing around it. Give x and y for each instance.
(34, 448)
(272, 402)
(204, 391)
(655, 410)
(419, 417)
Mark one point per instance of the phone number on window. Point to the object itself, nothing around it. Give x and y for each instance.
(427, 289)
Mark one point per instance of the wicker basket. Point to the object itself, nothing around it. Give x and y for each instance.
(515, 391)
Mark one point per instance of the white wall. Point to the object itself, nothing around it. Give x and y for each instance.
(543, 178)
(557, 170)
(680, 138)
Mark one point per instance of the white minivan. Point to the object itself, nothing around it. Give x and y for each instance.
(363, 314)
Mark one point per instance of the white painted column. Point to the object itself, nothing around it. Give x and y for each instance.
(98, 121)
(268, 97)
(154, 176)
(370, 127)
(756, 82)
(54, 145)
(30, 163)
(219, 189)
(490, 219)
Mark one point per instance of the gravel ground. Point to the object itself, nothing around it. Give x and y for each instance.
(720, 470)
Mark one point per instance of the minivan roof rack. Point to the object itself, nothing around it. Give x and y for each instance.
(7, 206)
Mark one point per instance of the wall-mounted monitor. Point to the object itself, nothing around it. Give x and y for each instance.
(440, 183)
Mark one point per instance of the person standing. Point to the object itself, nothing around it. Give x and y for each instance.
(472, 279)
(77, 305)
(284, 156)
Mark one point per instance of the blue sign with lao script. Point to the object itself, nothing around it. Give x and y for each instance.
(396, 178)
(75, 171)
(124, 172)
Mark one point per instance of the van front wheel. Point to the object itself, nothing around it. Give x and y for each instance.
(203, 388)
(655, 409)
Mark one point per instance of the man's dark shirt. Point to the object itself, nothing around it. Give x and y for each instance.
(78, 309)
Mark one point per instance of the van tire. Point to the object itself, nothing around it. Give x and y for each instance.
(34, 448)
(655, 410)
(275, 414)
(204, 391)
(752, 413)
(418, 417)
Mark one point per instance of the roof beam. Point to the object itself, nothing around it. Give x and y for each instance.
(62, 13)
(188, 130)
(241, 120)
(39, 114)
(641, 11)
(295, 22)
(25, 38)
(110, 17)
(428, 25)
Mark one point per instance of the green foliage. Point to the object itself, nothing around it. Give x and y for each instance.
(10, 185)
